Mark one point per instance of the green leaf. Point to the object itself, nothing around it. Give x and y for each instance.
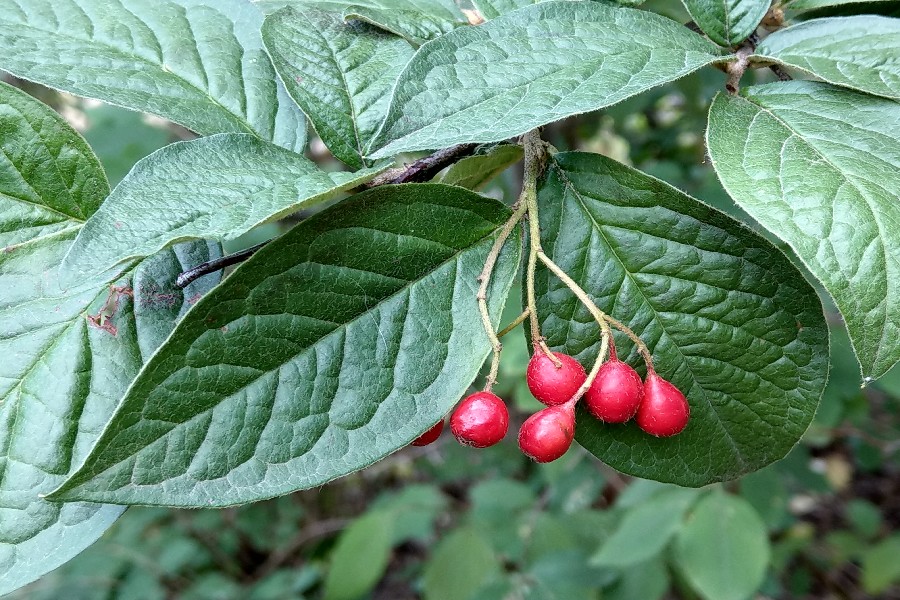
(461, 564)
(646, 529)
(69, 353)
(416, 27)
(727, 22)
(723, 548)
(199, 63)
(214, 188)
(535, 65)
(856, 52)
(864, 517)
(474, 172)
(159, 303)
(417, 507)
(341, 74)
(491, 9)
(647, 581)
(728, 319)
(819, 167)
(360, 557)
(416, 20)
(334, 345)
(50, 180)
(880, 567)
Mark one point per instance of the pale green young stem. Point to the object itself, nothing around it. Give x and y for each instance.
(519, 210)
(535, 154)
(641, 346)
(515, 323)
(599, 316)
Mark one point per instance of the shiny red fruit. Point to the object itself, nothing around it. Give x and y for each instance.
(547, 434)
(665, 411)
(481, 420)
(616, 393)
(550, 384)
(430, 435)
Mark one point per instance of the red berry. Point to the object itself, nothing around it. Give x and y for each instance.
(481, 420)
(547, 434)
(550, 384)
(430, 435)
(665, 411)
(616, 393)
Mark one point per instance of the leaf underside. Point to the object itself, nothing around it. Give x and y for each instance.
(727, 318)
(530, 67)
(69, 354)
(336, 344)
(217, 187)
(416, 20)
(856, 52)
(819, 167)
(174, 58)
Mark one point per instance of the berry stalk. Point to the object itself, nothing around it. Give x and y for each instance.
(535, 154)
(598, 315)
(519, 210)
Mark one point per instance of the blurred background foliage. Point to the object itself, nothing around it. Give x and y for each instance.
(450, 523)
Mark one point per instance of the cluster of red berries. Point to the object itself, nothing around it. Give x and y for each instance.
(615, 396)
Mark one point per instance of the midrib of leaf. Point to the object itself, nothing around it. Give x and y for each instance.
(55, 167)
(596, 227)
(239, 118)
(596, 63)
(837, 62)
(807, 141)
(43, 207)
(339, 330)
(15, 391)
(334, 53)
(727, 14)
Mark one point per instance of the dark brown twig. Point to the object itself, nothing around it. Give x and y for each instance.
(781, 73)
(211, 266)
(425, 168)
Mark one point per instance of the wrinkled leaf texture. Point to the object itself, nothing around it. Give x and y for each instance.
(727, 317)
(333, 346)
(199, 63)
(819, 167)
(62, 372)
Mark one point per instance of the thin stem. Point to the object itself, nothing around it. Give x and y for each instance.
(425, 168)
(535, 153)
(485, 279)
(211, 266)
(515, 323)
(641, 346)
(598, 315)
(781, 73)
